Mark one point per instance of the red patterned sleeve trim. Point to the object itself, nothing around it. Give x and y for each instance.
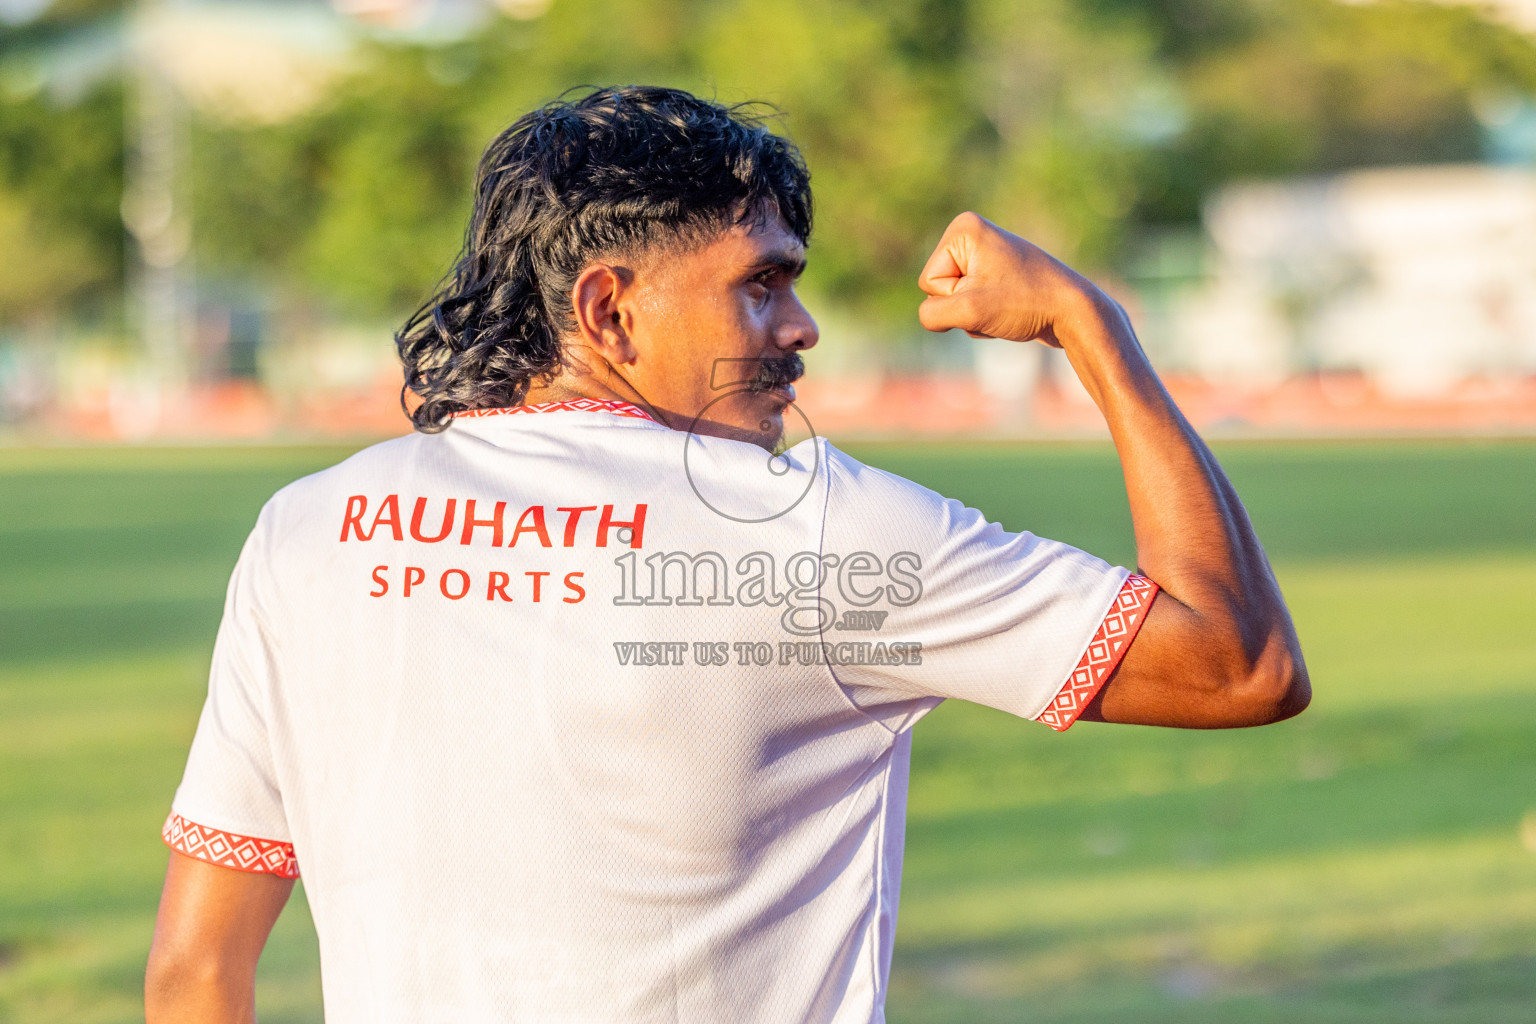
(228, 850)
(1103, 655)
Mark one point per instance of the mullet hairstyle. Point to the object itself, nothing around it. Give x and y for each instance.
(607, 174)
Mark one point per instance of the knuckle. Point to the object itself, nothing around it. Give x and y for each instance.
(970, 220)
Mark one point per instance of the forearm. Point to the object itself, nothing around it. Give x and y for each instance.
(1193, 536)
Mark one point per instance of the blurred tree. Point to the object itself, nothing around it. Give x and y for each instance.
(1079, 122)
(60, 185)
(1072, 95)
(257, 195)
(884, 137)
(1313, 86)
(394, 188)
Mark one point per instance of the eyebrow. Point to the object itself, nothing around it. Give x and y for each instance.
(783, 262)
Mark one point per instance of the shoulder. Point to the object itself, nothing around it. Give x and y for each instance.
(310, 506)
(856, 486)
(384, 460)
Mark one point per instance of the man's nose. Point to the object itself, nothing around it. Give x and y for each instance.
(798, 331)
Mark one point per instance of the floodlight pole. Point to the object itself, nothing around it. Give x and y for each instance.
(154, 208)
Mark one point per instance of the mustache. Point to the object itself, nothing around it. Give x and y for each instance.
(777, 371)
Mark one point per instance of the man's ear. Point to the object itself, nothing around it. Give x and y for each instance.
(603, 318)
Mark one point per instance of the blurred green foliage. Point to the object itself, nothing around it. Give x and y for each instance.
(61, 174)
(1081, 123)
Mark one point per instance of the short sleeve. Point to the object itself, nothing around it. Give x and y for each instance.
(228, 809)
(1010, 620)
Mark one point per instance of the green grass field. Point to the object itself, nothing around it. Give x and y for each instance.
(1372, 861)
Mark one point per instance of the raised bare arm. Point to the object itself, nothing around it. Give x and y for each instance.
(212, 924)
(1217, 649)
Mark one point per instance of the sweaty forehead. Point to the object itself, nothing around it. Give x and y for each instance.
(740, 248)
(774, 243)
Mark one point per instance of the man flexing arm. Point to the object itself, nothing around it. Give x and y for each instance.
(1218, 649)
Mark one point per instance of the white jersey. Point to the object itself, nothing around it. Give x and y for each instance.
(577, 718)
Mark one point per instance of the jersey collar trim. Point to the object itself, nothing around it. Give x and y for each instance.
(616, 408)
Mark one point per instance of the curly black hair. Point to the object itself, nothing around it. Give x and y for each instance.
(613, 172)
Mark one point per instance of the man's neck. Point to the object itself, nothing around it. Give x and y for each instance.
(566, 390)
(587, 376)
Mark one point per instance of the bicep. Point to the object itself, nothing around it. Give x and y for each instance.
(1167, 678)
(209, 933)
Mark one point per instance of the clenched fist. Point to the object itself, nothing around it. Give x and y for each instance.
(991, 283)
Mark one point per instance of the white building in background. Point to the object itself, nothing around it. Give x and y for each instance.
(1519, 14)
(1420, 277)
